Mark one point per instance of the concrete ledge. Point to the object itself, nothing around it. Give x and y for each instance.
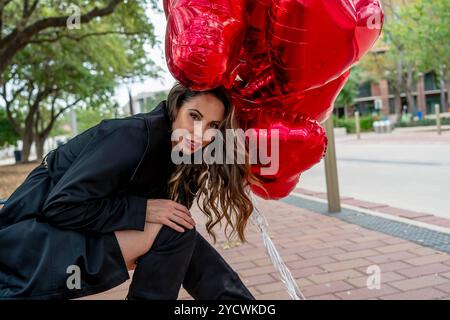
(340, 131)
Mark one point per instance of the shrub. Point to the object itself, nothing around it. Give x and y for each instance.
(366, 124)
(422, 122)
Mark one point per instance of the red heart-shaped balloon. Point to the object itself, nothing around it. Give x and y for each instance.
(275, 189)
(254, 55)
(315, 103)
(203, 41)
(282, 144)
(285, 61)
(312, 42)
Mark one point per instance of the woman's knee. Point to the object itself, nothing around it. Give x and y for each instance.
(135, 243)
(168, 238)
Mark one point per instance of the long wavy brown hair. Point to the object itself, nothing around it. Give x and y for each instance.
(222, 190)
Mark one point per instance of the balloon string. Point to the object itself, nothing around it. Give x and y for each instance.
(286, 277)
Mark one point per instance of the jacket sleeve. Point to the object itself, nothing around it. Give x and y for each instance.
(86, 197)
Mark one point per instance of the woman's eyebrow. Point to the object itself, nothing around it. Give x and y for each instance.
(197, 111)
(213, 121)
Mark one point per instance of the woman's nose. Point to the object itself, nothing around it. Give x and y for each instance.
(196, 134)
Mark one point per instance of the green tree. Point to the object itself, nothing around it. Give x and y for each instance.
(8, 137)
(426, 31)
(86, 118)
(58, 71)
(350, 90)
(23, 22)
(416, 34)
(388, 62)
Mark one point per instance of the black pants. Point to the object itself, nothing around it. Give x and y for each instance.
(185, 258)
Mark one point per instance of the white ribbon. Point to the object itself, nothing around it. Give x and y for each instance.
(260, 220)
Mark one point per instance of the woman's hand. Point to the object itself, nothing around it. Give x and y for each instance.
(170, 213)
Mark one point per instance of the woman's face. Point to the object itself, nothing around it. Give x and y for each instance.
(194, 117)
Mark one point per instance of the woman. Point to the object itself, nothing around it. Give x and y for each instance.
(112, 200)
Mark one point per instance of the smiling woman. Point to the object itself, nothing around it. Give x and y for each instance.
(221, 186)
(111, 199)
(194, 117)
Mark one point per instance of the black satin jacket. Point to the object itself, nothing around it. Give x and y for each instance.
(66, 211)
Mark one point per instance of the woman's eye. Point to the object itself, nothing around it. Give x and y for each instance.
(215, 125)
(195, 116)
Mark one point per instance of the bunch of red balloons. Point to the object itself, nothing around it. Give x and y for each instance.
(285, 61)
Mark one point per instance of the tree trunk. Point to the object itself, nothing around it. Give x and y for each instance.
(447, 106)
(40, 141)
(130, 101)
(444, 84)
(442, 104)
(27, 140)
(398, 87)
(409, 91)
(398, 105)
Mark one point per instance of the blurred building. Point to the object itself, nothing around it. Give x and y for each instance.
(378, 95)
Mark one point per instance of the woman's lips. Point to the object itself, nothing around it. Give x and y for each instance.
(192, 144)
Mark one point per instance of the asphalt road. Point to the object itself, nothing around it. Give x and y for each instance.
(410, 170)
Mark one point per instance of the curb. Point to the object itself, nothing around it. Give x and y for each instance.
(414, 217)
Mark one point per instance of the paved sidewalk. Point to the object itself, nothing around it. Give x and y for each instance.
(382, 208)
(328, 254)
(413, 136)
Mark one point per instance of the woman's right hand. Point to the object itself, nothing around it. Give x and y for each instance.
(169, 213)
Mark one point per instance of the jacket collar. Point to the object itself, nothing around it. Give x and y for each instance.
(156, 163)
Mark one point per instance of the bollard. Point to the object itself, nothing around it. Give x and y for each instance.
(358, 128)
(331, 175)
(437, 109)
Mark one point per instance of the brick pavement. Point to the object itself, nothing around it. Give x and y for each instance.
(329, 257)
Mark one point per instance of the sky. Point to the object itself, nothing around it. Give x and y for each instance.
(166, 81)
